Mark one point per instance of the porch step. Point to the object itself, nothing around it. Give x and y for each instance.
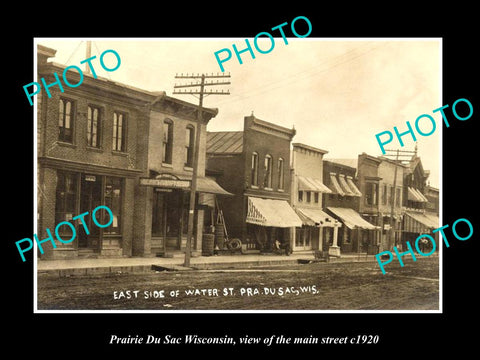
(87, 254)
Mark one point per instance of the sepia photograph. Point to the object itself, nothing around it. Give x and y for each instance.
(269, 174)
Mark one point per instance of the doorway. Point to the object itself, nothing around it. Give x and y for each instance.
(91, 197)
(170, 217)
(305, 236)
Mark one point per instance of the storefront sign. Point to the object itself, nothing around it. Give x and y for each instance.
(90, 178)
(166, 183)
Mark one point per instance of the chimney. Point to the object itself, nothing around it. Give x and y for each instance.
(44, 53)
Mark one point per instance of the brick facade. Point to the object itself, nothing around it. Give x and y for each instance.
(102, 173)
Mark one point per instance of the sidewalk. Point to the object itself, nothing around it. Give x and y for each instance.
(147, 264)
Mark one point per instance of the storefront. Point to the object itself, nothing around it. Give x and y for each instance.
(318, 231)
(170, 203)
(416, 223)
(308, 201)
(353, 236)
(268, 223)
(70, 190)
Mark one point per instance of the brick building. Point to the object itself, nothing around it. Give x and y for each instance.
(254, 165)
(105, 143)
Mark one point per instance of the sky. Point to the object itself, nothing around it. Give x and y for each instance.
(337, 93)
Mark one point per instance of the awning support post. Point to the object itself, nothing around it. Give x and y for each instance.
(334, 250)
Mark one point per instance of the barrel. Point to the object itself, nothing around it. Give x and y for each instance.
(208, 242)
(220, 236)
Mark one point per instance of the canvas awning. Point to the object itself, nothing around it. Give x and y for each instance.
(345, 187)
(271, 212)
(311, 184)
(210, 186)
(415, 195)
(315, 217)
(335, 185)
(421, 195)
(418, 222)
(354, 188)
(351, 218)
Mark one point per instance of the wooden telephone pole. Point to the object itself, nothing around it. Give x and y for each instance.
(199, 86)
(396, 153)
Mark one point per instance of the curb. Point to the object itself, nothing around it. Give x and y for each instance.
(146, 268)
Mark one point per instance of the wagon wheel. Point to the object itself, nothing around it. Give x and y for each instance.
(234, 244)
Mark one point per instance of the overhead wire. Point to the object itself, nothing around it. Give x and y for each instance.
(73, 53)
(344, 58)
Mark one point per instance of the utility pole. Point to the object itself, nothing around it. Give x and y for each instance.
(394, 190)
(200, 90)
(89, 54)
(392, 210)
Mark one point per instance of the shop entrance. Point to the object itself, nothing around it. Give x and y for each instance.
(170, 217)
(91, 196)
(305, 237)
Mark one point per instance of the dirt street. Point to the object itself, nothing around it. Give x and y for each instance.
(317, 286)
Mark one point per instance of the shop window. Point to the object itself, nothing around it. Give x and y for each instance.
(300, 196)
(189, 143)
(298, 236)
(309, 196)
(66, 195)
(267, 183)
(93, 126)
(384, 195)
(119, 131)
(371, 193)
(113, 200)
(317, 195)
(65, 121)
(281, 181)
(397, 201)
(167, 141)
(254, 170)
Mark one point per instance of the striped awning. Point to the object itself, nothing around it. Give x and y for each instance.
(417, 222)
(353, 186)
(421, 195)
(312, 184)
(415, 195)
(337, 189)
(345, 187)
(314, 217)
(351, 218)
(271, 212)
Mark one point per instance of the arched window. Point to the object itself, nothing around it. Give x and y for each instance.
(267, 183)
(281, 181)
(167, 141)
(254, 170)
(189, 143)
